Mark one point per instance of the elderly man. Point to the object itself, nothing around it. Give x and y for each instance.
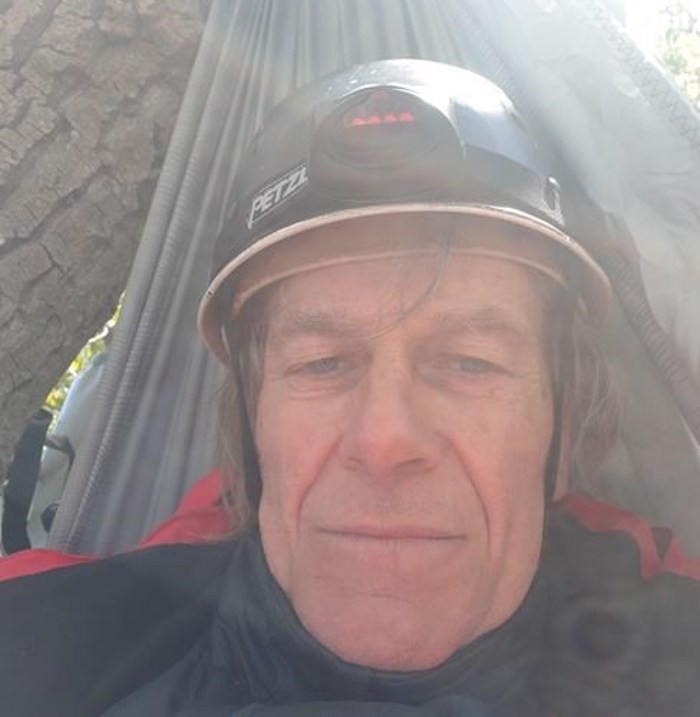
(414, 378)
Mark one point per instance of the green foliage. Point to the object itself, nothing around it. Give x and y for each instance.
(95, 346)
(680, 45)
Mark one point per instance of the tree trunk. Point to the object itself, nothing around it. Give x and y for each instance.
(89, 93)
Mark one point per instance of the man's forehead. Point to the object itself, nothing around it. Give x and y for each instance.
(466, 294)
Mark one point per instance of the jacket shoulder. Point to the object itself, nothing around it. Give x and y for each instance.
(623, 623)
(88, 633)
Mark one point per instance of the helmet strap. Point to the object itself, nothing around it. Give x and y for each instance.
(251, 462)
(558, 459)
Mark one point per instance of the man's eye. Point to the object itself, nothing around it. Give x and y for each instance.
(470, 365)
(326, 366)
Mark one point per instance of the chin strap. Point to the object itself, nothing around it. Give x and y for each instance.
(251, 462)
(559, 457)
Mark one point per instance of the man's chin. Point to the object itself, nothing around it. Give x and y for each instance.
(382, 632)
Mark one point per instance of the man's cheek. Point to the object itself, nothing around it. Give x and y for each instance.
(288, 474)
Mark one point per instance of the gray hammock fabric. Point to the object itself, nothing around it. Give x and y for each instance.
(608, 113)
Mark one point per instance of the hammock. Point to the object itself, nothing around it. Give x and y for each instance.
(607, 113)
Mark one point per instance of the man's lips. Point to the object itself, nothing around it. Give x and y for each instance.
(406, 533)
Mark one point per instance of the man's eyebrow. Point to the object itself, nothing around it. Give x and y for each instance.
(297, 323)
(488, 320)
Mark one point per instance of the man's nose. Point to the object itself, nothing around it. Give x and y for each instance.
(387, 435)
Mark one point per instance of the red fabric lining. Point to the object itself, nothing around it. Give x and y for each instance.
(200, 517)
(677, 562)
(601, 517)
(38, 560)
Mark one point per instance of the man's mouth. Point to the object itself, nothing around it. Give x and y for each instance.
(392, 533)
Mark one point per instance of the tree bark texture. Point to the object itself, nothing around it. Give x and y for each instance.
(89, 93)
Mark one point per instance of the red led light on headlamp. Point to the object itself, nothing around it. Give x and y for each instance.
(404, 117)
(379, 108)
(379, 128)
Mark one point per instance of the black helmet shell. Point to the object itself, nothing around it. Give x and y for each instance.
(384, 134)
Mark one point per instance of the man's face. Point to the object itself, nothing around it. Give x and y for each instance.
(403, 454)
